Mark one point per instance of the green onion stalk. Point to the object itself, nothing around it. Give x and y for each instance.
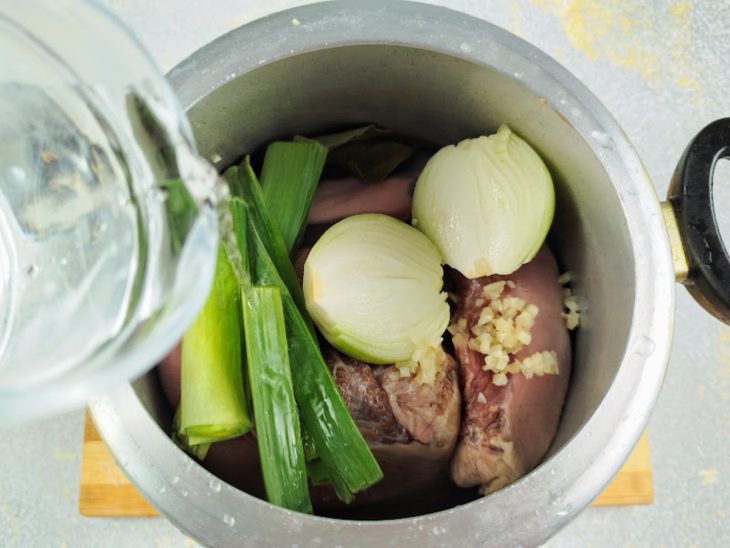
(212, 405)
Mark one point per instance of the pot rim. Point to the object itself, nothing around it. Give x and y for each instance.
(586, 463)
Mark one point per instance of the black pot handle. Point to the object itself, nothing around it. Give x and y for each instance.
(703, 264)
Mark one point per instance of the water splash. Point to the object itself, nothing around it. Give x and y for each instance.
(229, 520)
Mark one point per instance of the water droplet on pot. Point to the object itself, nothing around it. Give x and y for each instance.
(229, 520)
(644, 346)
(32, 271)
(17, 173)
(466, 48)
(215, 485)
(601, 139)
(175, 479)
(162, 489)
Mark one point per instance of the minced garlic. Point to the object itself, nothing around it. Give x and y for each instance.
(501, 331)
(425, 364)
(500, 379)
(570, 303)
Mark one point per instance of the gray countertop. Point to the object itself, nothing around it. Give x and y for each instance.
(662, 69)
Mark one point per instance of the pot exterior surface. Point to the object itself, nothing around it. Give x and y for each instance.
(439, 75)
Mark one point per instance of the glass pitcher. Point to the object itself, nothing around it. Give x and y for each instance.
(108, 228)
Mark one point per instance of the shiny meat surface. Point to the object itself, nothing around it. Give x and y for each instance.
(506, 430)
(366, 399)
(336, 199)
(430, 413)
(410, 427)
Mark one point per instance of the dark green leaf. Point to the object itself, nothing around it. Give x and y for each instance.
(370, 160)
(289, 177)
(332, 140)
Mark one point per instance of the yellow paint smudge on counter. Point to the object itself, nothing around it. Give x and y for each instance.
(515, 12)
(631, 36)
(708, 475)
(613, 29)
(680, 8)
(60, 454)
(722, 351)
(721, 381)
(680, 12)
(10, 517)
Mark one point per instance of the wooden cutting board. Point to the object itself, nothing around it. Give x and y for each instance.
(632, 484)
(104, 489)
(106, 492)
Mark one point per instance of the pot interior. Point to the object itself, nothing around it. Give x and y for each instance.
(442, 99)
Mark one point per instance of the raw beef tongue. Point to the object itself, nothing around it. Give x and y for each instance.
(339, 198)
(506, 430)
(410, 427)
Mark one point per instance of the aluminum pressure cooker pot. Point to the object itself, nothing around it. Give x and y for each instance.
(432, 73)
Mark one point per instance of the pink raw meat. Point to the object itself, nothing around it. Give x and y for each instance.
(339, 198)
(508, 435)
(410, 427)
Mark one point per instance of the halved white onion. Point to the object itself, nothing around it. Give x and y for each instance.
(372, 285)
(486, 203)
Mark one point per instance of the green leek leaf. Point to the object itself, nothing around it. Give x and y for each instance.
(212, 406)
(275, 410)
(289, 177)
